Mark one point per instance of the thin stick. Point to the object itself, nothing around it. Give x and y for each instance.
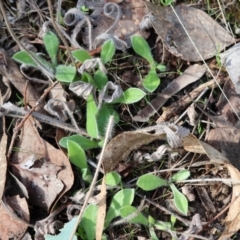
(88, 195)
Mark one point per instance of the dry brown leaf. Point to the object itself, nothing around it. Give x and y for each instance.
(190, 75)
(208, 36)
(44, 170)
(101, 210)
(225, 137)
(232, 221)
(120, 147)
(11, 225)
(12, 73)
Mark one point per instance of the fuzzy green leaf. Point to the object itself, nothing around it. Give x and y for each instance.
(151, 81)
(65, 73)
(161, 67)
(181, 175)
(24, 58)
(100, 79)
(130, 96)
(81, 55)
(150, 182)
(103, 116)
(51, 44)
(89, 219)
(84, 142)
(120, 199)
(113, 179)
(108, 51)
(76, 154)
(135, 218)
(92, 125)
(142, 48)
(180, 200)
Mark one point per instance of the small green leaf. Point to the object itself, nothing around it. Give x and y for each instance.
(151, 81)
(92, 125)
(138, 218)
(24, 58)
(81, 55)
(103, 116)
(180, 200)
(161, 67)
(130, 96)
(86, 175)
(84, 142)
(113, 179)
(166, 2)
(164, 226)
(65, 232)
(142, 48)
(76, 154)
(181, 175)
(108, 51)
(51, 44)
(151, 220)
(89, 220)
(150, 182)
(65, 73)
(100, 79)
(153, 234)
(120, 199)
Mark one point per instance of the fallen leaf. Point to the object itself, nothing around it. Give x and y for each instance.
(190, 75)
(232, 220)
(209, 37)
(45, 171)
(231, 61)
(14, 217)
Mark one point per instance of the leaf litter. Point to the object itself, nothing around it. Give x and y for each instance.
(46, 172)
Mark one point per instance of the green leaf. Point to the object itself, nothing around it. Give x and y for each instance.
(24, 58)
(100, 79)
(151, 81)
(131, 95)
(76, 154)
(103, 116)
(108, 51)
(92, 125)
(161, 67)
(84, 142)
(142, 48)
(151, 220)
(89, 219)
(166, 2)
(150, 182)
(180, 200)
(65, 73)
(81, 55)
(152, 233)
(86, 175)
(164, 226)
(139, 218)
(51, 44)
(120, 199)
(65, 232)
(113, 179)
(181, 175)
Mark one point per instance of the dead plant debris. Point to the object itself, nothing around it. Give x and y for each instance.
(170, 161)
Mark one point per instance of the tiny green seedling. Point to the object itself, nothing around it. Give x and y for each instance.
(61, 72)
(149, 182)
(97, 115)
(166, 2)
(141, 47)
